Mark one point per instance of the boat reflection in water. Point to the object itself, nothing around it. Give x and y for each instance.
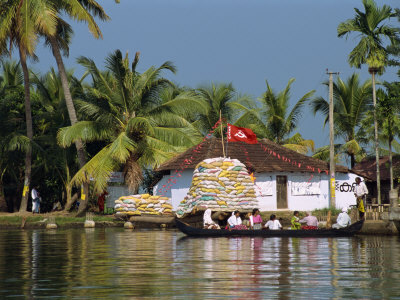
(117, 264)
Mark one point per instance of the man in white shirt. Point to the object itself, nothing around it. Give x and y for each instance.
(360, 192)
(35, 200)
(273, 223)
(343, 219)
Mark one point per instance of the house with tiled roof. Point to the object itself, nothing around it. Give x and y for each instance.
(284, 179)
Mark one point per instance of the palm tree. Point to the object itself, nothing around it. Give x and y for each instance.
(11, 86)
(218, 98)
(57, 162)
(20, 22)
(82, 11)
(276, 121)
(388, 115)
(372, 30)
(125, 111)
(387, 111)
(352, 100)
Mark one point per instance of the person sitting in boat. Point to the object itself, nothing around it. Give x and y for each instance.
(208, 221)
(235, 222)
(343, 220)
(311, 221)
(246, 220)
(295, 221)
(273, 223)
(255, 219)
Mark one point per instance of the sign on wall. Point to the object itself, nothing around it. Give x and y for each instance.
(264, 185)
(305, 185)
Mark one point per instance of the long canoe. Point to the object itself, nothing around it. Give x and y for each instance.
(200, 232)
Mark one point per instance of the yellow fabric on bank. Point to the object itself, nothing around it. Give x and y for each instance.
(145, 196)
(221, 203)
(360, 204)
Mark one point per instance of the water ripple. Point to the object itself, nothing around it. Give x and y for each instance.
(113, 263)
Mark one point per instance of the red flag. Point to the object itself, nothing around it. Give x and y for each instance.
(239, 134)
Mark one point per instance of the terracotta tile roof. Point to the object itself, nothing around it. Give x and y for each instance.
(367, 167)
(284, 160)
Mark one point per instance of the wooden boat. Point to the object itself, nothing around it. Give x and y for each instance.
(200, 232)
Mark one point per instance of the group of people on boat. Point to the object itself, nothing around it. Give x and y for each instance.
(254, 221)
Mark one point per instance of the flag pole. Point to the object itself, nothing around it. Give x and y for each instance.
(222, 134)
(227, 142)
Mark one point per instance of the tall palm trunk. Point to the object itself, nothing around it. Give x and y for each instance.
(352, 160)
(29, 131)
(391, 163)
(3, 202)
(72, 116)
(378, 177)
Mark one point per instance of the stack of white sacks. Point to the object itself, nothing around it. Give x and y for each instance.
(145, 204)
(221, 184)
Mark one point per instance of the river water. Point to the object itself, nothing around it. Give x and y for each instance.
(113, 263)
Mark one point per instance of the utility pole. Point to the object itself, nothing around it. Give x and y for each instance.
(332, 183)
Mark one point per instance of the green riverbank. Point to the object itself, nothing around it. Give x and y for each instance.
(29, 221)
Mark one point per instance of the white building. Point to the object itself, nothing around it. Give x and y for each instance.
(285, 179)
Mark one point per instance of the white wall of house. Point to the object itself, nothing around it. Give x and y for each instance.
(345, 184)
(178, 190)
(304, 192)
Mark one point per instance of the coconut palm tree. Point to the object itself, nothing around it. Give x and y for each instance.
(276, 121)
(20, 22)
(58, 163)
(11, 87)
(82, 11)
(351, 101)
(372, 29)
(124, 109)
(219, 99)
(387, 111)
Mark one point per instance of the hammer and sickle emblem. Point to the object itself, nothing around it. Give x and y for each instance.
(240, 134)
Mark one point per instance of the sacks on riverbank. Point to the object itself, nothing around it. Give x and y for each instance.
(143, 204)
(221, 184)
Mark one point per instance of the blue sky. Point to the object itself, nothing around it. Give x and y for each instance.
(243, 42)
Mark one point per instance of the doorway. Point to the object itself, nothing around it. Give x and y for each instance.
(281, 192)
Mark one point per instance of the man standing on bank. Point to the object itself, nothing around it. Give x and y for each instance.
(360, 191)
(35, 200)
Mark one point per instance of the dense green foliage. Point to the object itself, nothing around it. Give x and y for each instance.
(129, 121)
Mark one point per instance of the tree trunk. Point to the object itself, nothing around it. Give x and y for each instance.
(29, 132)
(391, 163)
(72, 116)
(70, 201)
(3, 203)
(378, 177)
(133, 174)
(352, 161)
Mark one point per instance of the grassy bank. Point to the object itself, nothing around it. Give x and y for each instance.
(16, 220)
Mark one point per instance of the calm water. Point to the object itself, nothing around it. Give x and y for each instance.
(117, 264)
